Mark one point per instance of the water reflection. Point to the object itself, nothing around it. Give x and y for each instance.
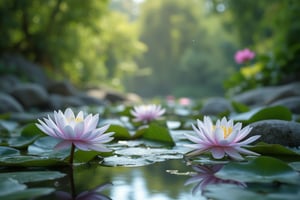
(205, 175)
(93, 194)
(151, 182)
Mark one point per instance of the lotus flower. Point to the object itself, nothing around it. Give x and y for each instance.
(94, 194)
(224, 138)
(78, 131)
(243, 56)
(205, 175)
(147, 113)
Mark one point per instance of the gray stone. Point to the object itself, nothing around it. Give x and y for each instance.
(28, 70)
(215, 106)
(30, 95)
(282, 132)
(267, 95)
(9, 104)
(7, 82)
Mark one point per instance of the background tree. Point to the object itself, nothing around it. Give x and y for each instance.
(83, 41)
(184, 55)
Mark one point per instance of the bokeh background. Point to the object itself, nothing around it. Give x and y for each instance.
(155, 47)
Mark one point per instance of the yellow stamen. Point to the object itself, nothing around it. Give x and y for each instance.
(227, 131)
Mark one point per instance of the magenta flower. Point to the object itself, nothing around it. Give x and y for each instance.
(224, 138)
(78, 131)
(243, 56)
(147, 113)
(205, 175)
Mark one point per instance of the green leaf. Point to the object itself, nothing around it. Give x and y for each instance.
(275, 112)
(30, 161)
(121, 133)
(9, 185)
(262, 169)
(158, 133)
(275, 150)
(8, 151)
(30, 193)
(32, 176)
(217, 192)
(84, 156)
(44, 146)
(31, 130)
(239, 107)
(258, 114)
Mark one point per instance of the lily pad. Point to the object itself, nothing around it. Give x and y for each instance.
(235, 192)
(158, 133)
(262, 169)
(275, 150)
(30, 193)
(9, 185)
(274, 112)
(31, 176)
(8, 151)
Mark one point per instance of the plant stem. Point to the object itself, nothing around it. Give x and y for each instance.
(72, 154)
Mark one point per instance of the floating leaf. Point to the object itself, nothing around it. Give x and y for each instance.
(29, 161)
(275, 150)
(158, 133)
(239, 107)
(31, 130)
(121, 133)
(30, 193)
(274, 112)
(84, 156)
(229, 192)
(8, 151)
(9, 185)
(32, 176)
(262, 169)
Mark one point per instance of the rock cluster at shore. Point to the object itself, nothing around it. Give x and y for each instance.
(40, 93)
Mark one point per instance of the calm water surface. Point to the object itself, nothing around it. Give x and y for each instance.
(151, 182)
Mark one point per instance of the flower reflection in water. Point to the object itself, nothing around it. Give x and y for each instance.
(94, 194)
(205, 175)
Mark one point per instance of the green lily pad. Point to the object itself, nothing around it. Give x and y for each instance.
(8, 151)
(239, 107)
(262, 169)
(9, 185)
(217, 192)
(30, 193)
(121, 133)
(275, 150)
(29, 161)
(274, 112)
(158, 133)
(32, 176)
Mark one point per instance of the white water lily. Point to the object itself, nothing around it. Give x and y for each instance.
(224, 138)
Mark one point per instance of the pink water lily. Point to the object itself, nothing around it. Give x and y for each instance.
(224, 138)
(243, 56)
(205, 175)
(147, 113)
(80, 131)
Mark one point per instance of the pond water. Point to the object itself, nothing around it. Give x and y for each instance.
(151, 182)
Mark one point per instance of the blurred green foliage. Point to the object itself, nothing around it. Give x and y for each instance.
(271, 28)
(82, 41)
(157, 48)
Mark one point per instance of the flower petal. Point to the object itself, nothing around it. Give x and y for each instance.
(217, 152)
